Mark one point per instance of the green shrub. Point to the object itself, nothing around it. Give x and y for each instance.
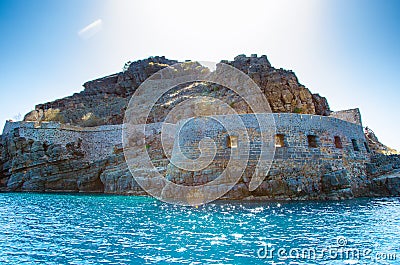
(298, 110)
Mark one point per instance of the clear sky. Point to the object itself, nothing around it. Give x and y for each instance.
(346, 50)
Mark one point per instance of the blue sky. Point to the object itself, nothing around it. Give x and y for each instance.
(348, 51)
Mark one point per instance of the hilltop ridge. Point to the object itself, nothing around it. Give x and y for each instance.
(104, 100)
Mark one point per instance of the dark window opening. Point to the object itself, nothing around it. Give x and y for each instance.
(312, 141)
(232, 141)
(367, 147)
(338, 142)
(355, 145)
(279, 140)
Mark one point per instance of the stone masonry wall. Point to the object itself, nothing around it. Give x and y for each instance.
(298, 171)
(350, 115)
(97, 142)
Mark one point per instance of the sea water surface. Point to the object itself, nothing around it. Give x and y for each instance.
(100, 229)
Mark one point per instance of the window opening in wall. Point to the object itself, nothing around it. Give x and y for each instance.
(367, 147)
(232, 141)
(355, 145)
(279, 140)
(338, 142)
(312, 141)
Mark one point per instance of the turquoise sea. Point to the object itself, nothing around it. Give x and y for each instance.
(100, 229)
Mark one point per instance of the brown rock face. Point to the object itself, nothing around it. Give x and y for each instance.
(321, 105)
(104, 100)
(281, 87)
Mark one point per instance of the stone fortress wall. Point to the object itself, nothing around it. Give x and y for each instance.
(293, 129)
(97, 142)
(313, 152)
(350, 115)
(315, 156)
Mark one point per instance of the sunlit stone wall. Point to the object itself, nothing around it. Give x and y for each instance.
(300, 169)
(97, 142)
(298, 166)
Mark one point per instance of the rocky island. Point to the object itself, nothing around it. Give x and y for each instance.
(74, 144)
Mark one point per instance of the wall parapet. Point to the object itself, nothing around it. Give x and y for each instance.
(350, 115)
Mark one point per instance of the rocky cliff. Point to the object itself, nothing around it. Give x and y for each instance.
(27, 164)
(48, 166)
(376, 146)
(104, 100)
